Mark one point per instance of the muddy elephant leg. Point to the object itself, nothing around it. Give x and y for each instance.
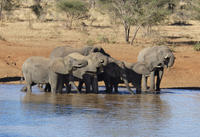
(29, 88)
(60, 83)
(94, 83)
(159, 78)
(138, 86)
(47, 88)
(108, 86)
(116, 87)
(152, 81)
(53, 81)
(80, 86)
(144, 83)
(87, 81)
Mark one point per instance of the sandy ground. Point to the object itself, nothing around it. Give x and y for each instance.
(21, 42)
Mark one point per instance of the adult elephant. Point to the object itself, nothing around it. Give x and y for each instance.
(37, 70)
(114, 74)
(158, 57)
(63, 51)
(96, 61)
(90, 80)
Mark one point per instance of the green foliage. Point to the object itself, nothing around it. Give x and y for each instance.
(137, 12)
(8, 6)
(74, 10)
(197, 46)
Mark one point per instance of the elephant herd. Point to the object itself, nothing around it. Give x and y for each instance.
(91, 64)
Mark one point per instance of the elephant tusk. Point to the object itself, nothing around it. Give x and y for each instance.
(166, 56)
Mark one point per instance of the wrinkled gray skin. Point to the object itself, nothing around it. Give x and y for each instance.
(114, 74)
(157, 57)
(66, 50)
(96, 61)
(88, 79)
(40, 70)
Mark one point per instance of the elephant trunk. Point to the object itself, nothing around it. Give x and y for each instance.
(171, 61)
(127, 86)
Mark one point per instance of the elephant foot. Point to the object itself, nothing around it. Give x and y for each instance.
(150, 92)
(138, 92)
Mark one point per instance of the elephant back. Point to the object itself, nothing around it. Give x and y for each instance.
(63, 51)
(76, 55)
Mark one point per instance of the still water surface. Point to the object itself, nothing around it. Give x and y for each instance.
(174, 113)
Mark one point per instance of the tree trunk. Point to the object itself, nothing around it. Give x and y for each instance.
(127, 31)
(134, 35)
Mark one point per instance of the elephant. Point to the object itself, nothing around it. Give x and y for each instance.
(41, 70)
(90, 80)
(63, 51)
(96, 61)
(86, 50)
(114, 74)
(159, 57)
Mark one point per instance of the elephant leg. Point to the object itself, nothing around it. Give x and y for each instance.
(60, 84)
(152, 81)
(87, 81)
(116, 87)
(80, 85)
(53, 81)
(159, 78)
(138, 86)
(29, 89)
(94, 84)
(47, 88)
(144, 83)
(107, 86)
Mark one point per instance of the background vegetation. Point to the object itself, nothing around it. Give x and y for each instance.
(133, 15)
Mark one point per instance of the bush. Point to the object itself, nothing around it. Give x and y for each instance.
(197, 46)
(74, 9)
(37, 9)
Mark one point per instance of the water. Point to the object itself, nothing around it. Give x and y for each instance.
(173, 113)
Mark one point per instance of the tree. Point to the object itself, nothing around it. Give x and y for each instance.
(7, 5)
(137, 13)
(75, 10)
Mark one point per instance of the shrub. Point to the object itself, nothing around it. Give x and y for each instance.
(197, 46)
(74, 9)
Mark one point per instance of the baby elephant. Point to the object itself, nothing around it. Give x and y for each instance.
(40, 70)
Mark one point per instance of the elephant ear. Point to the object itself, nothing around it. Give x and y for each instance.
(141, 68)
(73, 63)
(58, 66)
